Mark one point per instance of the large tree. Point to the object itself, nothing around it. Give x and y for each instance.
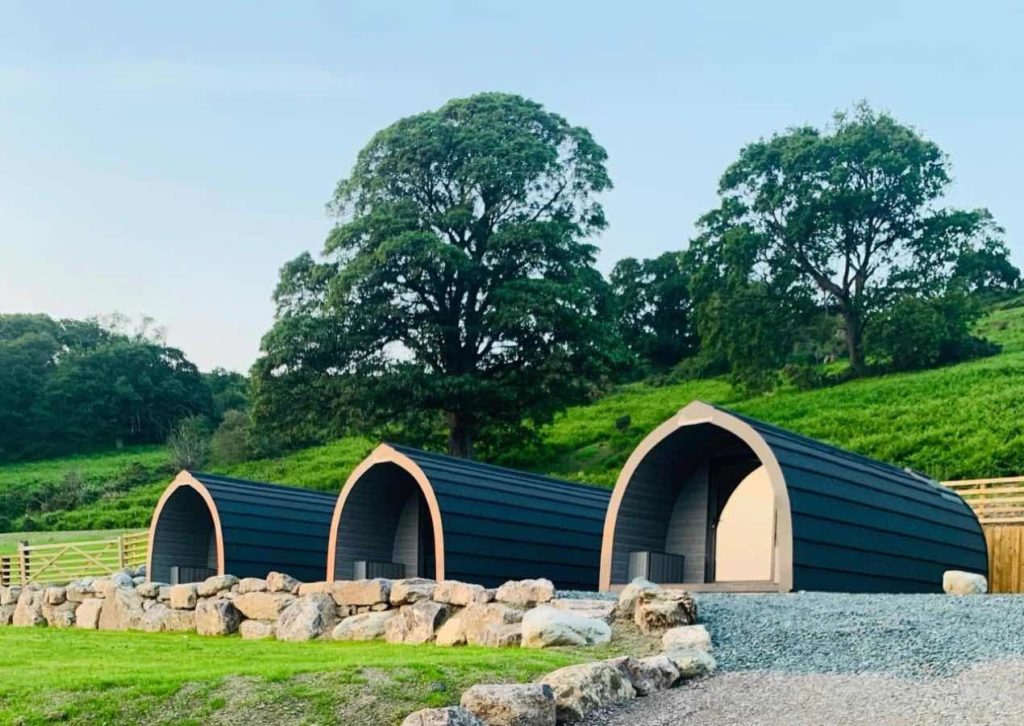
(852, 211)
(458, 282)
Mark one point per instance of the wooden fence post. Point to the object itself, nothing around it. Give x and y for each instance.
(120, 552)
(24, 561)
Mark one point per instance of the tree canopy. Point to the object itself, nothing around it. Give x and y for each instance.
(458, 284)
(852, 214)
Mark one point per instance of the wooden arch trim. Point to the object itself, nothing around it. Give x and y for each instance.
(694, 414)
(385, 454)
(185, 479)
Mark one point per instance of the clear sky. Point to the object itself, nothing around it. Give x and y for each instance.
(166, 159)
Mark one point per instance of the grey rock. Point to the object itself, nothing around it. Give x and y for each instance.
(451, 716)
(581, 689)
(161, 618)
(307, 618)
(365, 626)
(263, 605)
(216, 584)
(686, 636)
(957, 582)
(252, 584)
(184, 597)
(545, 627)
(626, 606)
(257, 629)
(525, 592)
(531, 704)
(122, 610)
(415, 623)
(280, 582)
(664, 609)
(216, 616)
(29, 610)
(411, 590)
(648, 675)
(87, 616)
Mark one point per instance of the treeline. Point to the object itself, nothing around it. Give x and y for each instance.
(70, 386)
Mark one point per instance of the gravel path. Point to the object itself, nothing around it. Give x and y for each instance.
(822, 658)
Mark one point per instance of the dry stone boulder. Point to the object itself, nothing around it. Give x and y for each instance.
(526, 592)
(310, 588)
(502, 636)
(87, 616)
(184, 597)
(957, 582)
(80, 591)
(664, 609)
(544, 627)
(103, 586)
(581, 689)
(252, 584)
(7, 613)
(648, 675)
(60, 616)
(280, 582)
(686, 636)
(122, 610)
(365, 626)
(416, 623)
(478, 619)
(55, 595)
(263, 605)
(257, 629)
(626, 606)
(414, 589)
(451, 716)
(692, 663)
(149, 590)
(531, 704)
(213, 585)
(217, 616)
(159, 618)
(600, 609)
(307, 618)
(362, 592)
(461, 594)
(29, 610)
(9, 595)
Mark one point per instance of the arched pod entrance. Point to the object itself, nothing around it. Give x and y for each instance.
(206, 524)
(407, 512)
(842, 522)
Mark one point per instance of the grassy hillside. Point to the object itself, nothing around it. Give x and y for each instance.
(959, 421)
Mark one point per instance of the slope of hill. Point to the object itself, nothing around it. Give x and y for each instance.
(965, 420)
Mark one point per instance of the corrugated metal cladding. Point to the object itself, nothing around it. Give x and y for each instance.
(268, 527)
(863, 526)
(500, 524)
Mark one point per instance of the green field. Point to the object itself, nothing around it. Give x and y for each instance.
(953, 422)
(9, 540)
(90, 677)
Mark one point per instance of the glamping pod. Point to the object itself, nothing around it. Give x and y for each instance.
(408, 513)
(716, 501)
(207, 525)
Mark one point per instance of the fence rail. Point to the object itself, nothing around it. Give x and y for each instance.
(999, 504)
(63, 562)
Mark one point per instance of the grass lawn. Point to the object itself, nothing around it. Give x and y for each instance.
(73, 676)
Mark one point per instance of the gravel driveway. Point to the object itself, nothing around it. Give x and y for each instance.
(822, 658)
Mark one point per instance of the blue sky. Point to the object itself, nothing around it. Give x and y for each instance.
(165, 159)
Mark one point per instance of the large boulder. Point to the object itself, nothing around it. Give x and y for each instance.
(362, 592)
(530, 704)
(60, 616)
(280, 582)
(461, 594)
(648, 675)
(9, 595)
(410, 590)
(581, 689)
(257, 629)
(159, 618)
(217, 616)
(122, 610)
(686, 636)
(631, 593)
(87, 616)
(451, 716)
(149, 590)
(213, 585)
(307, 618)
(478, 620)
(526, 592)
(103, 586)
(184, 597)
(55, 595)
(415, 623)
(7, 613)
(263, 605)
(957, 582)
(588, 608)
(544, 627)
(692, 663)
(664, 609)
(80, 591)
(366, 626)
(29, 610)
(502, 636)
(252, 584)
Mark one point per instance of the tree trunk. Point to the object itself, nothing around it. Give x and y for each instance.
(460, 436)
(854, 344)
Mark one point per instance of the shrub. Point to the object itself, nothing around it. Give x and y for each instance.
(189, 443)
(230, 442)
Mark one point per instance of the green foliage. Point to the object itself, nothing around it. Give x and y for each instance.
(654, 311)
(91, 677)
(68, 386)
(230, 442)
(189, 443)
(851, 213)
(229, 391)
(457, 290)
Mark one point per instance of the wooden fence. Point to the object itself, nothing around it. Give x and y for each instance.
(999, 504)
(59, 563)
